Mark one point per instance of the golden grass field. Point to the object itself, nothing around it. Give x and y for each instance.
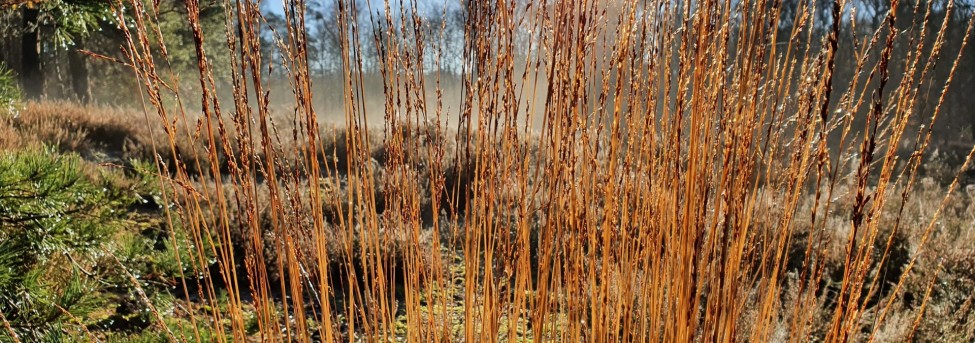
(628, 172)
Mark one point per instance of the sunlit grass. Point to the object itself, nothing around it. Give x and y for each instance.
(629, 171)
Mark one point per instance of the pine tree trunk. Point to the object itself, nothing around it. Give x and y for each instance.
(31, 74)
(78, 63)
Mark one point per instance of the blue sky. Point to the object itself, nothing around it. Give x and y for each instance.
(426, 7)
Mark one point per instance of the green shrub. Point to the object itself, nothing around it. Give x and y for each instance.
(73, 238)
(9, 93)
(53, 219)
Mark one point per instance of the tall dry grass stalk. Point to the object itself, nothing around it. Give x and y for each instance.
(615, 171)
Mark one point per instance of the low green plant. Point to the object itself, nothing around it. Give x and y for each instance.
(53, 219)
(9, 92)
(74, 255)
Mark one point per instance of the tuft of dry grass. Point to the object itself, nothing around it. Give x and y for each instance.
(10, 138)
(88, 130)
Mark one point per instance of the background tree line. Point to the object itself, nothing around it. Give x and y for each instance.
(46, 43)
(66, 48)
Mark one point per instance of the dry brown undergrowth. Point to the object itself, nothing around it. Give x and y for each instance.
(947, 258)
(628, 171)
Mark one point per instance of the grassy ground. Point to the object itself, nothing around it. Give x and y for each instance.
(606, 171)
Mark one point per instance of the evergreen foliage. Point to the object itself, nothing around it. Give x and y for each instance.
(9, 93)
(72, 249)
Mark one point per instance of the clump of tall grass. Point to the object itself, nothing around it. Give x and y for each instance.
(629, 171)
